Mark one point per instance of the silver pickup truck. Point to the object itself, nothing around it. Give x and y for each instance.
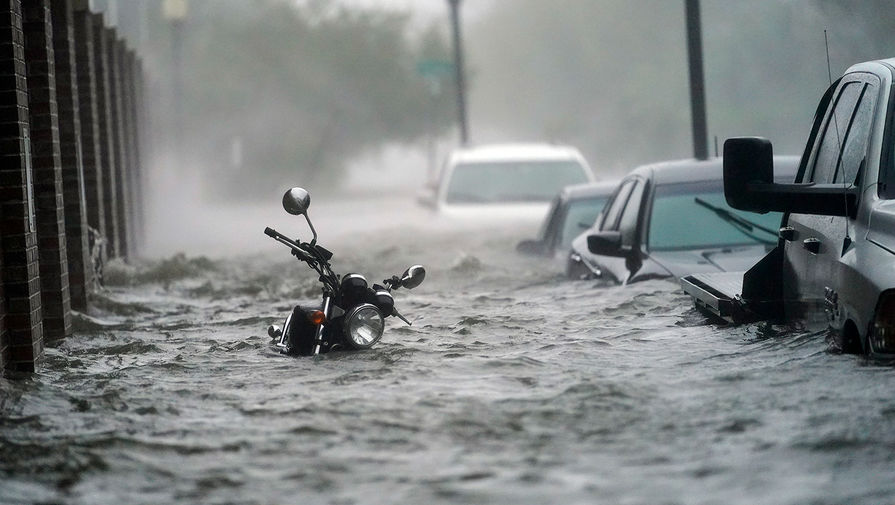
(834, 264)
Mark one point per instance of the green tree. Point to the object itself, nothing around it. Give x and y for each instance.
(300, 90)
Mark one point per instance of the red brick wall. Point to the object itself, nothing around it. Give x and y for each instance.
(21, 344)
(80, 272)
(47, 165)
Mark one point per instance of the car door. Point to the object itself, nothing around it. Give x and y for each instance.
(814, 244)
(624, 216)
(612, 268)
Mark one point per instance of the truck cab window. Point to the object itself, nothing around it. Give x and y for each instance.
(827, 154)
(855, 146)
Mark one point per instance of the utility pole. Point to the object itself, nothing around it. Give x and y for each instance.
(458, 64)
(175, 11)
(697, 80)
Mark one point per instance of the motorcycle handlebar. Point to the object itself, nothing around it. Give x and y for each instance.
(274, 234)
(283, 239)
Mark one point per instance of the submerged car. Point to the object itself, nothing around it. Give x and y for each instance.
(515, 181)
(670, 219)
(573, 210)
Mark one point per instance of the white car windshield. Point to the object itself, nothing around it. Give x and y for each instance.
(696, 216)
(515, 181)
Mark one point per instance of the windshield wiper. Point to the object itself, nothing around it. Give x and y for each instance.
(741, 223)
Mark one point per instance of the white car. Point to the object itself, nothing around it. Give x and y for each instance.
(506, 181)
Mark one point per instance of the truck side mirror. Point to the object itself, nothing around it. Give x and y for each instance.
(747, 159)
(749, 184)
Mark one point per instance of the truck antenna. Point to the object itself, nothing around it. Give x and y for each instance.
(827, 46)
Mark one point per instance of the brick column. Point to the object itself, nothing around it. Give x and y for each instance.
(119, 141)
(104, 118)
(80, 271)
(46, 160)
(130, 125)
(143, 142)
(21, 335)
(91, 154)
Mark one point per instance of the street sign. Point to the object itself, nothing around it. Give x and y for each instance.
(435, 68)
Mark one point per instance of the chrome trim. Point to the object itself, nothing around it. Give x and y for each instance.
(282, 344)
(318, 336)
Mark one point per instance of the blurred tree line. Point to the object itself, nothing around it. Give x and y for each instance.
(611, 76)
(281, 93)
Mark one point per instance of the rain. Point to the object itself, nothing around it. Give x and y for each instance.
(514, 383)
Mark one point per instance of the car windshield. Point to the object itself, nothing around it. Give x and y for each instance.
(696, 216)
(516, 181)
(581, 215)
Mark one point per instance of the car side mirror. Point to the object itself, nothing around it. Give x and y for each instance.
(606, 243)
(749, 184)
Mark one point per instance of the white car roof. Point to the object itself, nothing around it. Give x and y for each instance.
(512, 152)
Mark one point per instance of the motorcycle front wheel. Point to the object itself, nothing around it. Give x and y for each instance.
(301, 332)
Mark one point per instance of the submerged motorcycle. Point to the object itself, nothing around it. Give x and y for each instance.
(352, 313)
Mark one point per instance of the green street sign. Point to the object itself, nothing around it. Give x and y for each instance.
(435, 68)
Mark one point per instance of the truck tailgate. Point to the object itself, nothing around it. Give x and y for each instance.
(717, 294)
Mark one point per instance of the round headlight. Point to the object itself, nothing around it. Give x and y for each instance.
(364, 325)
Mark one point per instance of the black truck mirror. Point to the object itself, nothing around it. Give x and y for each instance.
(749, 184)
(747, 160)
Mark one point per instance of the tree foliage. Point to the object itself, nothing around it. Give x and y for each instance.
(299, 90)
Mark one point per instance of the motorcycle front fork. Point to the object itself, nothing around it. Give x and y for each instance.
(327, 312)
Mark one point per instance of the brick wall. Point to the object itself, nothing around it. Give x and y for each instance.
(119, 140)
(80, 272)
(104, 119)
(21, 344)
(46, 162)
(91, 155)
(133, 148)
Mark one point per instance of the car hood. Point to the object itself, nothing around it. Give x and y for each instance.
(520, 212)
(727, 259)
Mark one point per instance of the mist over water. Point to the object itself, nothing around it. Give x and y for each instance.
(512, 386)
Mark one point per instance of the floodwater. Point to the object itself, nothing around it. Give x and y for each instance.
(513, 386)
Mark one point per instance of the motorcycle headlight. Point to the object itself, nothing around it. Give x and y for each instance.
(364, 325)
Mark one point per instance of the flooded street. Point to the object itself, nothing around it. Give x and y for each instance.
(512, 386)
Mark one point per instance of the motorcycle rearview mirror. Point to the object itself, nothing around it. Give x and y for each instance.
(413, 277)
(296, 202)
